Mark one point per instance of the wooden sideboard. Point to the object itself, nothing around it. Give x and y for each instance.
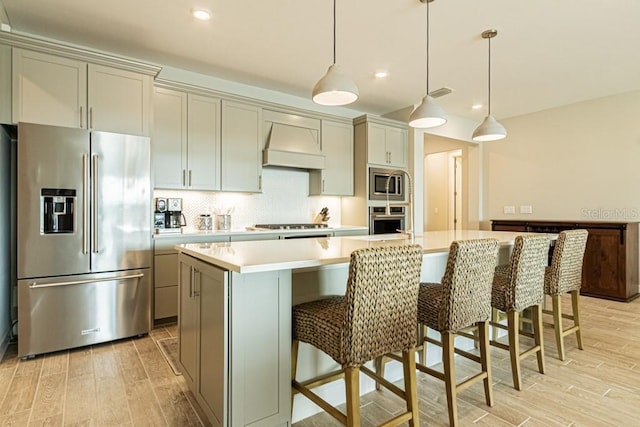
(610, 267)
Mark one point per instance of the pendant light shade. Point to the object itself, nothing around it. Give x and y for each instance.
(334, 88)
(489, 129)
(428, 114)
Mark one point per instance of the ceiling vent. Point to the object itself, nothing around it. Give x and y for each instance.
(440, 92)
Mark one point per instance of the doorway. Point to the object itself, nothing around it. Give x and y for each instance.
(444, 190)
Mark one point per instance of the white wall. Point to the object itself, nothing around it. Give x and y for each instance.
(577, 162)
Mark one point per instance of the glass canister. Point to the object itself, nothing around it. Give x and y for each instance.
(223, 222)
(205, 222)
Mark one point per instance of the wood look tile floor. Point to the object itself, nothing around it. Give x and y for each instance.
(121, 383)
(129, 383)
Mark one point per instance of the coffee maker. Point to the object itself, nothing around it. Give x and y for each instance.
(168, 216)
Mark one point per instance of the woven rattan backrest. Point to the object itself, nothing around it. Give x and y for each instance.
(381, 302)
(566, 264)
(528, 261)
(466, 293)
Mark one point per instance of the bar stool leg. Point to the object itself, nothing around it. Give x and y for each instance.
(575, 298)
(485, 360)
(448, 362)
(557, 324)
(410, 385)
(536, 313)
(352, 385)
(513, 326)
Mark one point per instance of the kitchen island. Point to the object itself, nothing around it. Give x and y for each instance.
(235, 316)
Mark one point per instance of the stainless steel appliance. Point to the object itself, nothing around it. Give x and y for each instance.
(168, 216)
(83, 238)
(380, 178)
(315, 229)
(383, 222)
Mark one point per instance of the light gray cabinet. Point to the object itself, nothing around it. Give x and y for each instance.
(5, 84)
(241, 159)
(224, 317)
(202, 335)
(60, 91)
(386, 145)
(186, 141)
(336, 179)
(166, 275)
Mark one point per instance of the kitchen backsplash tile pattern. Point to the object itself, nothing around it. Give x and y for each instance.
(284, 199)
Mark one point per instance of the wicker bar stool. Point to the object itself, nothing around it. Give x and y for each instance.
(462, 300)
(377, 315)
(565, 276)
(517, 287)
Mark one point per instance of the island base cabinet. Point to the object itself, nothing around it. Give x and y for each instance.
(202, 336)
(235, 343)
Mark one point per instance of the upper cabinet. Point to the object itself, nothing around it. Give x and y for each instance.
(5, 84)
(241, 159)
(386, 145)
(336, 179)
(185, 147)
(62, 91)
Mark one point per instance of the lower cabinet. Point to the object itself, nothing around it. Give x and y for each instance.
(202, 350)
(165, 273)
(235, 343)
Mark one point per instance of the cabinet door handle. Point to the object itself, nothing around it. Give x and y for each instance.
(90, 117)
(189, 177)
(259, 182)
(323, 185)
(81, 117)
(184, 177)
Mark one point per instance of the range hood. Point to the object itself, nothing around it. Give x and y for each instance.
(292, 146)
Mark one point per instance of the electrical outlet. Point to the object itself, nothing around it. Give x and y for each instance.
(526, 209)
(509, 209)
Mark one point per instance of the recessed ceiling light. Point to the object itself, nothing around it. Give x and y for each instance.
(201, 14)
(381, 74)
(476, 106)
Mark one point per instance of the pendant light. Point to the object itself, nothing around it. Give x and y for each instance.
(428, 114)
(335, 88)
(489, 129)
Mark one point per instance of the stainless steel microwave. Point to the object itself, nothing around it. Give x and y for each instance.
(379, 179)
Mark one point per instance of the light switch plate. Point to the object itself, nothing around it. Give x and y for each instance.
(509, 209)
(526, 209)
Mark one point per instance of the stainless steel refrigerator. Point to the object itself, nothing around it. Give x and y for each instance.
(83, 239)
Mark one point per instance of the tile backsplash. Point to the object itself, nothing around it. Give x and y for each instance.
(284, 199)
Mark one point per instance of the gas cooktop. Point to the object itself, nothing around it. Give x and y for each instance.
(308, 226)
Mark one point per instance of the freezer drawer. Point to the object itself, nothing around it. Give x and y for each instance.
(58, 313)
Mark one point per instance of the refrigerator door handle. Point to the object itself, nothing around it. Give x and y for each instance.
(85, 219)
(94, 203)
(35, 285)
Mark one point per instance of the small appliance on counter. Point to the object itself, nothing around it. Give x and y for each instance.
(168, 216)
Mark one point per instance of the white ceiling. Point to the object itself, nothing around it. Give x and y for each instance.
(548, 52)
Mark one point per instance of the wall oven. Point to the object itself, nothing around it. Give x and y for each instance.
(381, 223)
(378, 184)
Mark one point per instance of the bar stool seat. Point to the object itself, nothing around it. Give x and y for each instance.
(377, 315)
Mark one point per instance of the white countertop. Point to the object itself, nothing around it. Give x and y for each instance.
(270, 255)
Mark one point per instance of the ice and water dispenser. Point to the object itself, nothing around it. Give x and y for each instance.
(57, 210)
